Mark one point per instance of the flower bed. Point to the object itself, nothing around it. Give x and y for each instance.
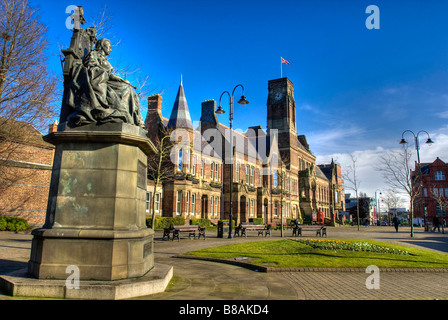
(350, 246)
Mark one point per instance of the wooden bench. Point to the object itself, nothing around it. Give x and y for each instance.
(191, 229)
(244, 227)
(320, 230)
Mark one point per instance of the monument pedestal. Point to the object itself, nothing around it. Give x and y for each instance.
(96, 208)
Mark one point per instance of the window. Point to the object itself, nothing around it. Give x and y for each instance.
(252, 174)
(276, 209)
(212, 207)
(157, 202)
(179, 160)
(188, 202)
(446, 192)
(439, 175)
(216, 205)
(425, 192)
(148, 201)
(237, 172)
(216, 172)
(193, 169)
(193, 204)
(247, 174)
(275, 179)
(187, 160)
(252, 207)
(436, 192)
(202, 168)
(212, 171)
(179, 203)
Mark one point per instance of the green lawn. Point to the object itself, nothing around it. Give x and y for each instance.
(292, 253)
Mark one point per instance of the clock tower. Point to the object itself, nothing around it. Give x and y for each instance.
(281, 109)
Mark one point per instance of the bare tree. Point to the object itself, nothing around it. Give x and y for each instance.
(27, 89)
(392, 200)
(160, 167)
(26, 85)
(396, 170)
(440, 198)
(350, 176)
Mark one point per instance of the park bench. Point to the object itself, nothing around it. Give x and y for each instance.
(244, 227)
(319, 229)
(192, 230)
(167, 232)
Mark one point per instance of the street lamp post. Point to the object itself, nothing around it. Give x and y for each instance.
(220, 110)
(377, 204)
(417, 148)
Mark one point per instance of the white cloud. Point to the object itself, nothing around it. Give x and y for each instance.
(443, 115)
(372, 180)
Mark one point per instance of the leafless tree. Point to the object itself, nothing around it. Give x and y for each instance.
(350, 175)
(26, 85)
(27, 88)
(396, 170)
(160, 166)
(392, 200)
(439, 197)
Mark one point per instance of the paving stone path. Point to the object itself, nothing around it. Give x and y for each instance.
(204, 280)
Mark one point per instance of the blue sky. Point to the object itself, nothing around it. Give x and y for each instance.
(356, 90)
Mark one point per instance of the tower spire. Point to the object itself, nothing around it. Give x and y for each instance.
(180, 115)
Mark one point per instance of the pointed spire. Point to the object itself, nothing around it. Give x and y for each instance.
(180, 116)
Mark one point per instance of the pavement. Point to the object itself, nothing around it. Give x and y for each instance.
(206, 280)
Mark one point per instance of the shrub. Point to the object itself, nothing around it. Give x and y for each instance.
(13, 224)
(164, 222)
(203, 223)
(256, 220)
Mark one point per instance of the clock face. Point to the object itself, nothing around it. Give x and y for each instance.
(278, 96)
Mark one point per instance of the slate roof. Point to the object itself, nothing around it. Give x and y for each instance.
(180, 115)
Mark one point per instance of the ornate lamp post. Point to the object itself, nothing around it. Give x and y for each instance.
(219, 111)
(417, 148)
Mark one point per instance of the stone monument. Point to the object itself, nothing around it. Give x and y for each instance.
(95, 221)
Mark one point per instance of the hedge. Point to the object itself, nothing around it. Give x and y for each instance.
(164, 222)
(13, 224)
(203, 223)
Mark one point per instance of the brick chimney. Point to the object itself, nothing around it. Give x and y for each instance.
(53, 127)
(154, 119)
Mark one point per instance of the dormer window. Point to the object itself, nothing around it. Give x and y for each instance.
(439, 176)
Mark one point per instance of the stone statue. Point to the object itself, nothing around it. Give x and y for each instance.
(92, 92)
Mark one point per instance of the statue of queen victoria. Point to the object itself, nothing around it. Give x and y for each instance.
(92, 92)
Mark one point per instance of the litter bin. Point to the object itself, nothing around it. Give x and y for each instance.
(223, 229)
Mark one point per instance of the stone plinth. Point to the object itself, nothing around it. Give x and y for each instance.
(96, 208)
(19, 284)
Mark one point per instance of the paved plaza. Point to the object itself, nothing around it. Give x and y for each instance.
(204, 280)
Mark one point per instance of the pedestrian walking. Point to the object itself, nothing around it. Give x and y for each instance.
(436, 224)
(396, 223)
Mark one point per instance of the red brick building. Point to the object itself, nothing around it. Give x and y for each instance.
(434, 191)
(274, 170)
(25, 164)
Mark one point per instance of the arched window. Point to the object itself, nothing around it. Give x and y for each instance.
(439, 175)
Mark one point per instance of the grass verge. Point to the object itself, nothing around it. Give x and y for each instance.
(293, 253)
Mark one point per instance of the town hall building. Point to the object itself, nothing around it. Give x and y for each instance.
(275, 176)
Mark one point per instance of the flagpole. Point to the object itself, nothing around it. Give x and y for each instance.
(281, 68)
